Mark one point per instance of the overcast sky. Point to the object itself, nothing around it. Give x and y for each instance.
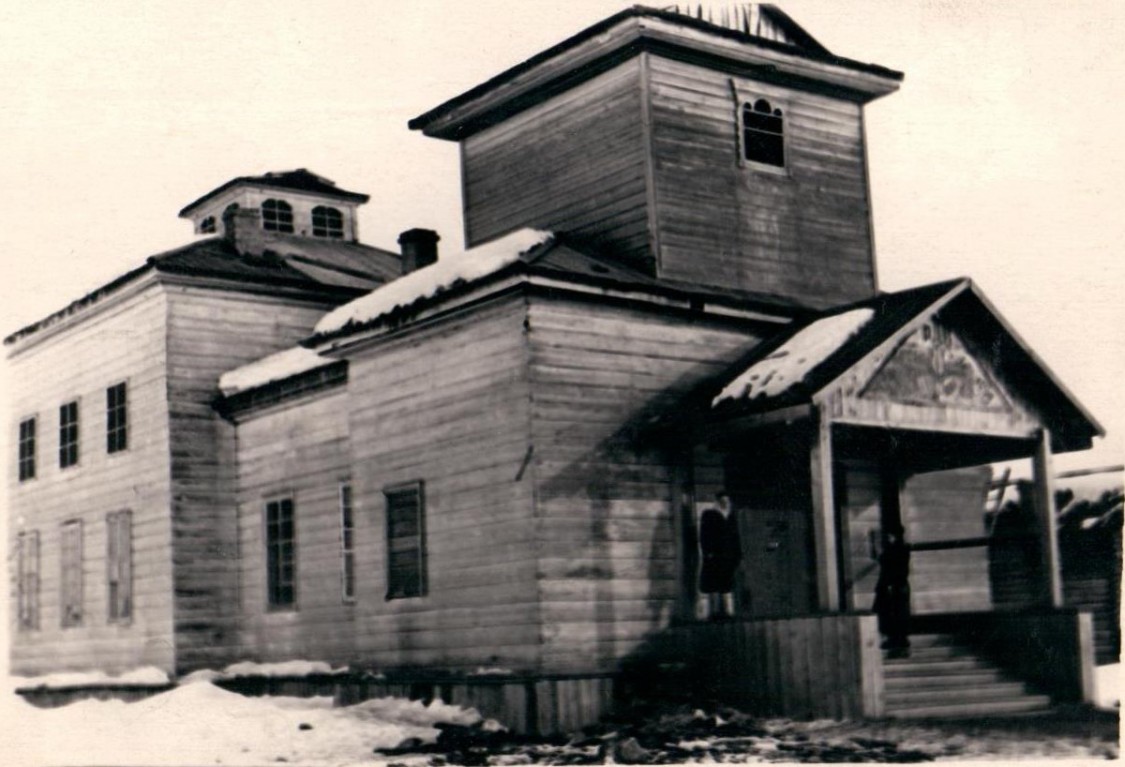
(999, 159)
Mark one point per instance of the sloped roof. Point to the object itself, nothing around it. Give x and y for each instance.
(300, 180)
(960, 304)
(784, 36)
(347, 268)
(532, 252)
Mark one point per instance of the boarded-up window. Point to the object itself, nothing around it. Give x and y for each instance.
(119, 566)
(116, 419)
(27, 569)
(70, 573)
(327, 222)
(277, 216)
(347, 543)
(68, 434)
(281, 561)
(27, 449)
(406, 541)
(763, 134)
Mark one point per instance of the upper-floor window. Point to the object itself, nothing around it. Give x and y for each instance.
(68, 434)
(406, 541)
(347, 543)
(119, 566)
(763, 134)
(327, 222)
(207, 225)
(281, 560)
(70, 573)
(27, 573)
(277, 216)
(27, 449)
(116, 419)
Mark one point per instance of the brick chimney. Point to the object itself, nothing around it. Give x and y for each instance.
(419, 248)
(242, 228)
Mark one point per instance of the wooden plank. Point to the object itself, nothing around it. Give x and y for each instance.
(824, 517)
(1044, 494)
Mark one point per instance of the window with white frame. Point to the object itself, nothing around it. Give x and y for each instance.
(327, 222)
(763, 134)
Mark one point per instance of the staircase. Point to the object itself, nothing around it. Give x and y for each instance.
(942, 679)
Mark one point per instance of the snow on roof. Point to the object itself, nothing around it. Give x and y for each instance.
(148, 676)
(275, 367)
(795, 359)
(442, 275)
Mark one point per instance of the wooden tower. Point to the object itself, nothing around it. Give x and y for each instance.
(721, 155)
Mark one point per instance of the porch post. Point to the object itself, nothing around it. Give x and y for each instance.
(1045, 510)
(824, 515)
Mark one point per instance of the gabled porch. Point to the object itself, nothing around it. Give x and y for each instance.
(866, 419)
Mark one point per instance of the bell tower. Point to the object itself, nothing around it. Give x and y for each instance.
(724, 152)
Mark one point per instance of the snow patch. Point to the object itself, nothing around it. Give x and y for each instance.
(1107, 685)
(790, 363)
(148, 676)
(283, 668)
(203, 724)
(491, 671)
(472, 264)
(275, 367)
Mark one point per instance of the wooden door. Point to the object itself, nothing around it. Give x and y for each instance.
(776, 562)
(858, 491)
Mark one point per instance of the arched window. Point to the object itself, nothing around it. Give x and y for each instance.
(277, 216)
(763, 134)
(327, 222)
(207, 225)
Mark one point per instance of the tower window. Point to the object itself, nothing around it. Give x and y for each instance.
(70, 579)
(207, 225)
(119, 566)
(281, 560)
(116, 419)
(277, 216)
(763, 134)
(327, 222)
(27, 572)
(406, 541)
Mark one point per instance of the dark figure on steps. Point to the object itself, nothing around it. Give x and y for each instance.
(721, 551)
(892, 593)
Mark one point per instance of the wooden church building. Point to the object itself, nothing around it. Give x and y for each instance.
(480, 471)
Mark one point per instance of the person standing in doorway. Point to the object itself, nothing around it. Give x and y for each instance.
(721, 551)
(892, 593)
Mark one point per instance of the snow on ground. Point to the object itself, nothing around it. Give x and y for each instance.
(148, 676)
(275, 367)
(793, 360)
(201, 724)
(428, 281)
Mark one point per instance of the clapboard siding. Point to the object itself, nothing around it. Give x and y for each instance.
(210, 332)
(947, 506)
(607, 571)
(299, 450)
(803, 234)
(123, 340)
(574, 163)
(448, 405)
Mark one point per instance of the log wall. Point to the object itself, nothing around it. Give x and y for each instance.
(210, 332)
(609, 572)
(122, 340)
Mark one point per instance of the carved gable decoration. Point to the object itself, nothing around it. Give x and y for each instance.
(932, 368)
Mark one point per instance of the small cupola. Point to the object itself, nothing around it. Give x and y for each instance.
(294, 202)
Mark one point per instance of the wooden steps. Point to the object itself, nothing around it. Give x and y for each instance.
(944, 680)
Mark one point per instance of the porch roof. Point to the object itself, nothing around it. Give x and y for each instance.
(816, 352)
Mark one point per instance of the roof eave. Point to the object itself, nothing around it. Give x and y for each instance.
(626, 34)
